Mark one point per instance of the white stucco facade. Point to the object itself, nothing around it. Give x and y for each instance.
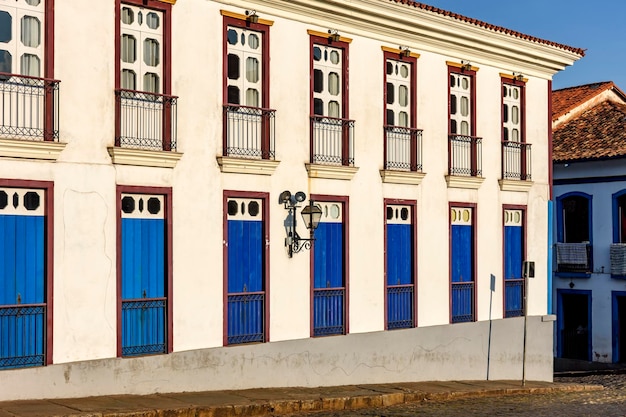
(84, 216)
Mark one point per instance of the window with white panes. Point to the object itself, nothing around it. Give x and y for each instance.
(511, 113)
(461, 104)
(22, 25)
(244, 66)
(141, 49)
(398, 95)
(328, 73)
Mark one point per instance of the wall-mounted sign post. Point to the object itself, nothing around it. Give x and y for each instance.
(528, 271)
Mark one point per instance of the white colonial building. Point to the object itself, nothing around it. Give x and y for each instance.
(147, 243)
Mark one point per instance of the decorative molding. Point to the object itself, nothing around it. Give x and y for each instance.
(247, 166)
(471, 183)
(140, 157)
(333, 172)
(28, 149)
(460, 65)
(240, 16)
(399, 51)
(515, 185)
(402, 177)
(326, 35)
(512, 77)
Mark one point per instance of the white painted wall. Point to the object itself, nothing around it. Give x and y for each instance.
(85, 186)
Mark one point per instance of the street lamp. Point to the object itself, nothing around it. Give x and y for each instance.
(311, 215)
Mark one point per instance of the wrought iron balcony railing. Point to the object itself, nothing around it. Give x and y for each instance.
(332, 141)
(403, 148)
(249, 132)
(23, 333)
(465, 156)
(513, 297)
(574, 257)
(29, 108)
(145, 120)
(516, 161)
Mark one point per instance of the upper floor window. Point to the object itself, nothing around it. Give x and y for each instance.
(402, 140)
(332, 134)
(248, 121)
(29, 104)
(141, 43)
(145, 111)
(465, 149)
(573, 250)
(516, 157)
(22, 39)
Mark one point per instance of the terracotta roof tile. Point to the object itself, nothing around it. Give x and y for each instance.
(566, 99)
(597, 133)
(489, 26)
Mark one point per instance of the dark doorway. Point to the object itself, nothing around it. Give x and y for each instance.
(574, 325)
(619, 326)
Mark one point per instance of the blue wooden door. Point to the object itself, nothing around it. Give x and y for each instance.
(400, 266)
(246, 289)
(513, 257)
(144, 293)
(22, 278)
(462, 264)
(328, 272)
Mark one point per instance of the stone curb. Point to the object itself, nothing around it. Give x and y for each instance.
(333, 403)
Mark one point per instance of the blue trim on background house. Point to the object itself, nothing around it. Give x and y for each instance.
(615, 220)
(615, 324)
(589, 180)
(550, 253)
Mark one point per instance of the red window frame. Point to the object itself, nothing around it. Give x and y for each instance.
(344, 45)
(524, 246)
(413, 205)
(166, 192)
(473, 207)
(471, 72)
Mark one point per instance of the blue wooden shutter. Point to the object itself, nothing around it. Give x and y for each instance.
(328, 272)
(144, 302)
(462, 264)
(22, 279)
(513, 254)
(400, 266)
(246, 292)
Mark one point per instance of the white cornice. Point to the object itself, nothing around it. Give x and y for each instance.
(402, 177)
(28, 149)
(247, 166)
(515, 185)
(162, 159)
(421, 30)
(332, 172)
(471, 183)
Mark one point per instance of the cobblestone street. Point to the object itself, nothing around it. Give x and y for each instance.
(609, 402)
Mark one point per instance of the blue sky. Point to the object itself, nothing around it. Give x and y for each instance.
(596, 26)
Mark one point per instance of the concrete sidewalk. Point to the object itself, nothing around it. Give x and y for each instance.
(275, 401)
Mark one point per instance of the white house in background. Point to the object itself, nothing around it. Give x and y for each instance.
(147, 243)
(590, 229)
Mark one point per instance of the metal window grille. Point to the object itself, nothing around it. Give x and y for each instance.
(246, 318)
(516, 161)
(400, 306)
(462, 302)
(145, 121)
(249, 132)
(514, 297)
(573, 257)
(22, 335)
(332, 141)
(144, 326)
(328, 311)
(403, 148)
(29, 108)
(465, 155)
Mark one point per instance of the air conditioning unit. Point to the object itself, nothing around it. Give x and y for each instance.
(618, 259)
